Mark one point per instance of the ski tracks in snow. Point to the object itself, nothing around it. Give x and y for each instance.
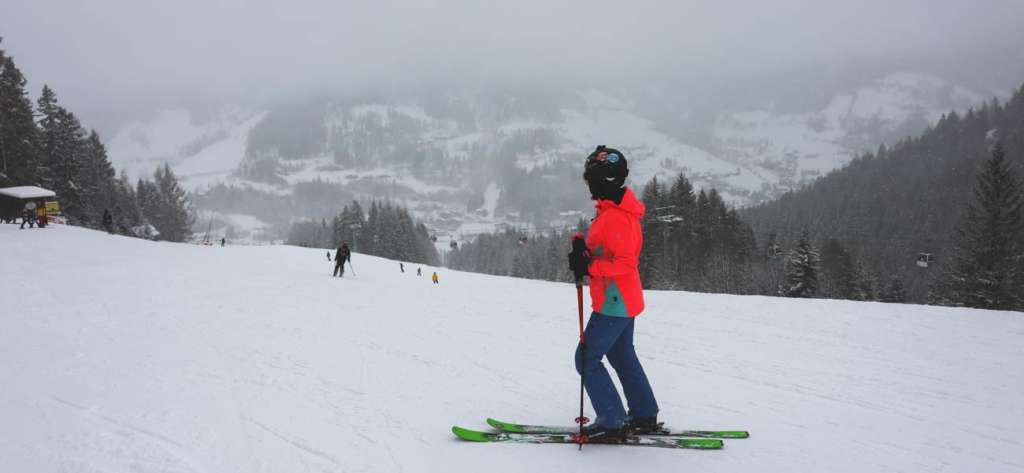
(301, 445)
(126, 440)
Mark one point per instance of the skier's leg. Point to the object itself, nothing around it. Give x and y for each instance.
(601, 333)
(622, 357)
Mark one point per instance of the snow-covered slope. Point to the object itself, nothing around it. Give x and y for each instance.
(199, 151)
(126, 355)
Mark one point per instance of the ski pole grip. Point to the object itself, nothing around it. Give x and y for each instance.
(578, 259)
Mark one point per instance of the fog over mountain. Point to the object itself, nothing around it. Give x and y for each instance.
(474, 115)
(115, 60)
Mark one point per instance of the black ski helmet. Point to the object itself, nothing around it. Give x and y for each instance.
(605, 172)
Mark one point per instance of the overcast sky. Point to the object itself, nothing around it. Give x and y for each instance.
(105, 54)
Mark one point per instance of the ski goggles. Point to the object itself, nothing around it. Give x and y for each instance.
(606, 157)
(599, 158)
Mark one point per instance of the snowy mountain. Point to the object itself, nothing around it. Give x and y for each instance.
(473, 163)
(793, 148)
(196, 150)
(122, 354)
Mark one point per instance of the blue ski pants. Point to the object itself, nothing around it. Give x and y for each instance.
(613, 337)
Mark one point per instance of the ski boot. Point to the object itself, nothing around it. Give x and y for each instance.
(596, 433)
(644, 425)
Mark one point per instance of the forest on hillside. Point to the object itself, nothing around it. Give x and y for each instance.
(897, 225)
(46, 145)
(889, 208)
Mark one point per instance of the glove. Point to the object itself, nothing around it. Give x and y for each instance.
(579, 259)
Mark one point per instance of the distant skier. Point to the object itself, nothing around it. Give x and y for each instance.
(419, 271)
(41, 219)
(28, 216)
(434, 278)
(343, 254)
(611, 259)
(401, 267)
(108, 221)
(223, 241)
(328, 255)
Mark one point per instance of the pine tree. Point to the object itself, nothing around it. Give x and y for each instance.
(19, 140)
(836, 270)
(426, 252)
(553, 254)
(56, 154)
(96, 179)
(349, 226)
(126, 211)
(61, 137)
(681, 220)
(987, 269)
(694, 242)
(173, 221)
(802, 270)
(149, 207)
(894, 291)
(369, 239)
(654, 258)
(862, 282)
(703, 228)
(388, 230)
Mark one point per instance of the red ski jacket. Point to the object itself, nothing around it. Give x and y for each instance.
(614, 241)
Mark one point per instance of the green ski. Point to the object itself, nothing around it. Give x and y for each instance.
(662, 431)
(661, 441)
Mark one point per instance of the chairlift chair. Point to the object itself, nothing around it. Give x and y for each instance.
(925, 259)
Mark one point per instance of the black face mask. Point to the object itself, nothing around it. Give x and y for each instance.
(606, 190)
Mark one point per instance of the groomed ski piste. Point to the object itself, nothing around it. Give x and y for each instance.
(120, 355)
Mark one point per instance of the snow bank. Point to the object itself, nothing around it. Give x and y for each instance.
(119, 354)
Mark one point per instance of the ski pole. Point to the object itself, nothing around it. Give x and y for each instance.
(578, 247)
(353, 267)
(583, 357)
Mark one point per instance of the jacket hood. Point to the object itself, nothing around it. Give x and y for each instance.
(629, 204)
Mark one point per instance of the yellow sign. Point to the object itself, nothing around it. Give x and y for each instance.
(52, 208)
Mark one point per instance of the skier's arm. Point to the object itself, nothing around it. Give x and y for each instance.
(579, 258)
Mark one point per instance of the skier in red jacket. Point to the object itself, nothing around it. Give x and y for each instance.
(610, 258)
